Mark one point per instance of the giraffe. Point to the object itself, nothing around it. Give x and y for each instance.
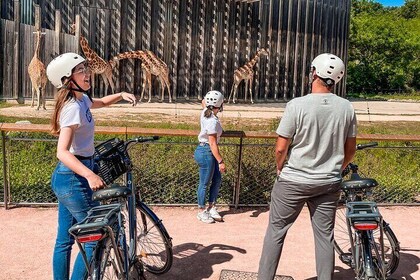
(164, 73)
(98, 65)
(245, 73)
(151, 65)
(38, 75)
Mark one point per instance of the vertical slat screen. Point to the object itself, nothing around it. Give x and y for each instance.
(203, 42)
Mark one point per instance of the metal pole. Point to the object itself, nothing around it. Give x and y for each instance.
(238, 176)
(16, 54)
(6, 186)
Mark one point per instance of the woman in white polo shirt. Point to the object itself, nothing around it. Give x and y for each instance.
(73, 179)
(208, 157)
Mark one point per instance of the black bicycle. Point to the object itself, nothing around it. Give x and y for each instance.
(129, 236)
(362, 238)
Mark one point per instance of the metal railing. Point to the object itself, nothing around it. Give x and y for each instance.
(166, 173)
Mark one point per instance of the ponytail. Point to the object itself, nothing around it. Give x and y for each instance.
(63, 95)
(208, 112)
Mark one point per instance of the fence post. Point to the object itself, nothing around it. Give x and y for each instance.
(6, 186)
(57, 30)
(1, 53)
(238, 176)
(16, 53)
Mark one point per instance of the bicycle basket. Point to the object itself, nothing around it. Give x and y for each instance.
(112, 160)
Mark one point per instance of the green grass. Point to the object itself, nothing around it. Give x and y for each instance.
(4, 104)
(385, 96)
(398, 127)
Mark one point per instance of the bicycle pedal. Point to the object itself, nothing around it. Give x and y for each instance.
(346, 258)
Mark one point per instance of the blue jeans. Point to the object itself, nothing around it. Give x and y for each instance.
(209, 175)
(74, 200)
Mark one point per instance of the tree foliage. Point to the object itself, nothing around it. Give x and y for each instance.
(384, 47)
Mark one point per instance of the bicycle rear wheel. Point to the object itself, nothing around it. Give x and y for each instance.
(154, 246)
(343, 248)
(108, 267)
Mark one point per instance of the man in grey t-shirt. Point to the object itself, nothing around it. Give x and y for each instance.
(318, 134)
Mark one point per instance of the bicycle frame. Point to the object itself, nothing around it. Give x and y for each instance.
(114, 161)
(99, 226)
(362, 218)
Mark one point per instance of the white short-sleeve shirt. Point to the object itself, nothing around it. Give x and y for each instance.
(210, 125)
(77, 112)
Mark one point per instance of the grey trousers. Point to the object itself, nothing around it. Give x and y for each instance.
(287, 201)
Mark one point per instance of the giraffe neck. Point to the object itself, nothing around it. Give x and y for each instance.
(254, 60)
(38, 43)
(89, 53)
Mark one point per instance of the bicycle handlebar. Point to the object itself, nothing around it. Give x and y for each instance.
(140, 140)
(351, 167)
(367, 145)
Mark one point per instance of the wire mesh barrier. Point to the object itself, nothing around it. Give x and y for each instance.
(165, 172)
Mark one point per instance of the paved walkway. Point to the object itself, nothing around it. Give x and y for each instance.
(366, 111)
(201, 251)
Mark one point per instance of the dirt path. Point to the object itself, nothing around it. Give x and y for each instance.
(201, 251)
(186, 112)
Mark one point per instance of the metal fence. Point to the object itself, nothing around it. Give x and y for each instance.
(166, 173)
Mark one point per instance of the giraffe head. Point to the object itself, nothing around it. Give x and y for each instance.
(261, 52)
(72, 28)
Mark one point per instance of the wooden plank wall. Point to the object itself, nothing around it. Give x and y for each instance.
(202, 42)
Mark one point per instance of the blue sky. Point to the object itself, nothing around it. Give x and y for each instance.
(391, 2)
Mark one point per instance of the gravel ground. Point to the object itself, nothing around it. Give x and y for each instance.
(201, 251)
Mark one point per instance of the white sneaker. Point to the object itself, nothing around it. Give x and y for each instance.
(205, 217)
(215, 215)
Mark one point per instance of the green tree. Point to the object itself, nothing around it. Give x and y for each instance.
(365, 6)
(410, 9)
(384, 49)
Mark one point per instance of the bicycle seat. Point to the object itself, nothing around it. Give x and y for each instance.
(112, 192)
(359, 184)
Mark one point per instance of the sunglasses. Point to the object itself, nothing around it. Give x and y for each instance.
(84, 70)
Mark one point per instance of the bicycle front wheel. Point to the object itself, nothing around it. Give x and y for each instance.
(154, 246)
(343, 247)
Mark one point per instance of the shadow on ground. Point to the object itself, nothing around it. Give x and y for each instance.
(193, 261)
(407, 266)
(254, 212)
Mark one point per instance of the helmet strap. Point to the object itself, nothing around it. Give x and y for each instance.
(328, 82)
(79, 89)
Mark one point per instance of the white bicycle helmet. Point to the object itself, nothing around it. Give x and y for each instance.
(214, 98)
(62, 66)
(329, 67)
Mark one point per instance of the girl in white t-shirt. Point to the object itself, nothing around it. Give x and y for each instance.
(208, 157)
(73, 180)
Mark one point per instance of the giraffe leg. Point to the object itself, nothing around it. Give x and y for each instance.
(166, 82)
(33, 97)
(43, 98)
(149, 82)
(108, 75)
(162, 86)
(235, 92)
(250, 89)
(143, 85)
(231, 91)
(38, 93)
(169, 92)
(105, 79)
(246, 90)
(169, 87)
